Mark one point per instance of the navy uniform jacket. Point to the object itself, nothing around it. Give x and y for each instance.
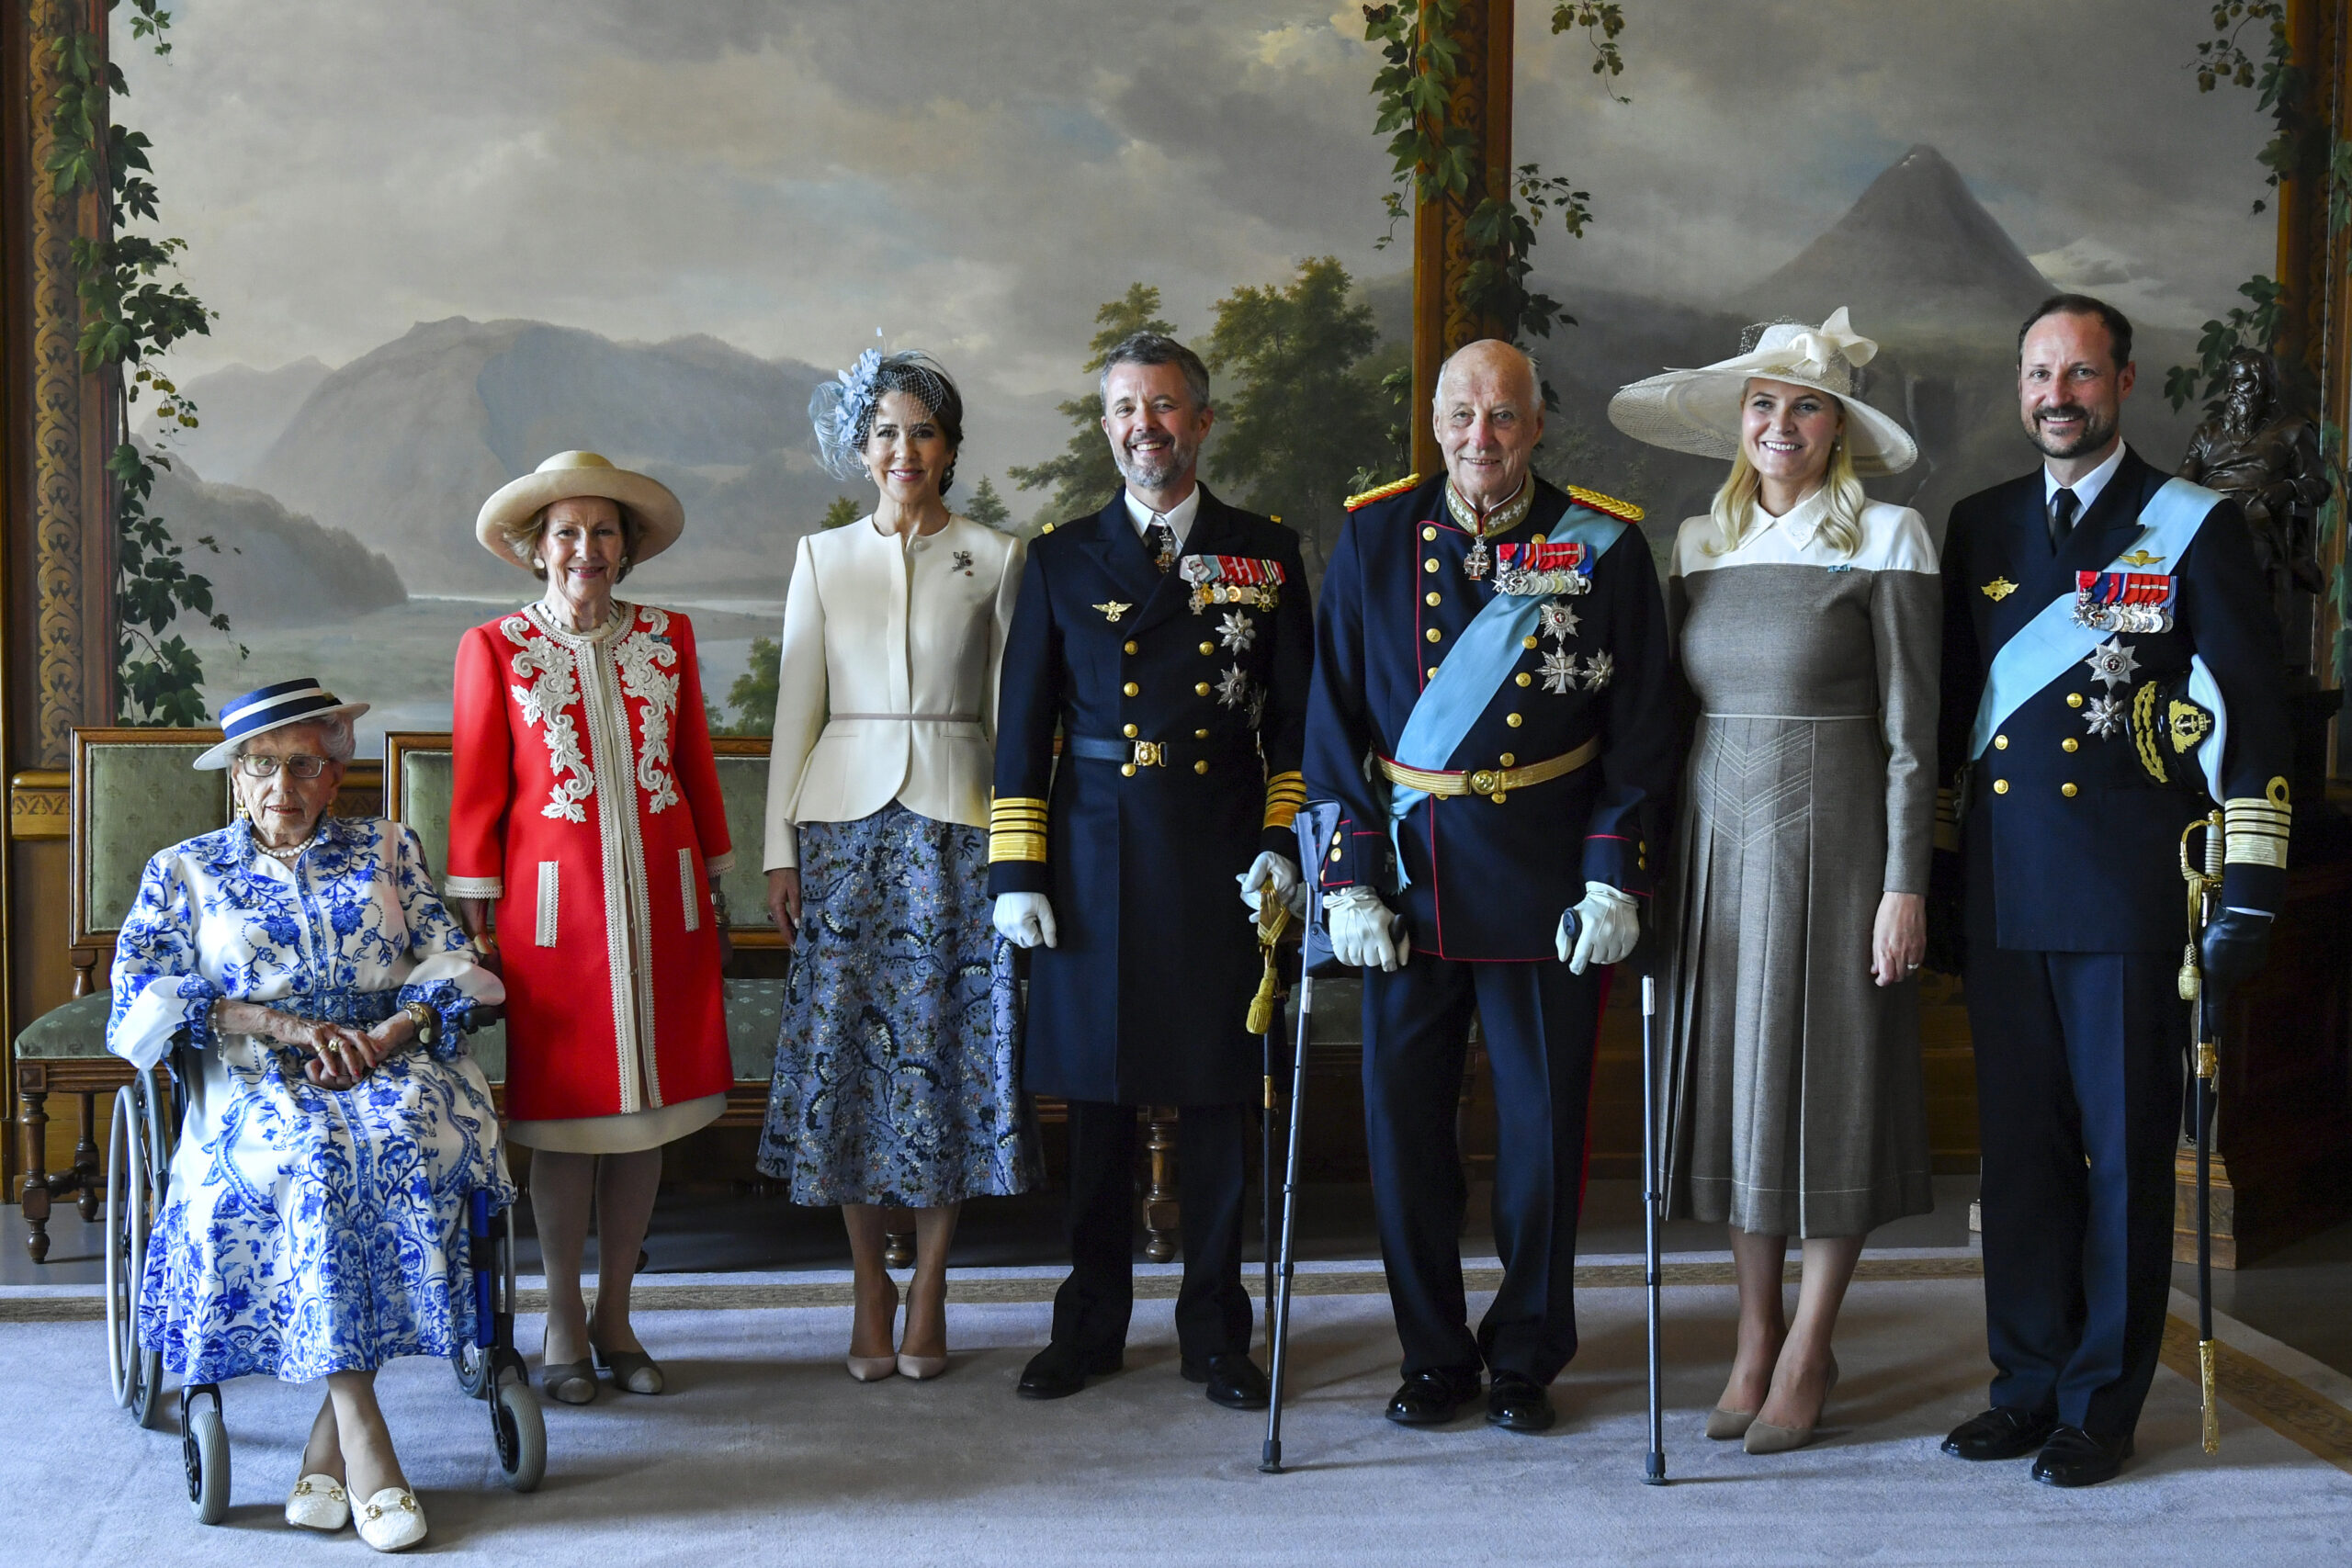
(2082, 839)
(1490, 876)
(1144, 999)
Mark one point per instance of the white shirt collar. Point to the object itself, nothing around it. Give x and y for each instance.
(1179, 517)
(2086, 488)
(1800, 522)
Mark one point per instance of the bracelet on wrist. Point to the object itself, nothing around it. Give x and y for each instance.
(422, 1017)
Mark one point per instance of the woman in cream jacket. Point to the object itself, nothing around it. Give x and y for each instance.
(896, 1081)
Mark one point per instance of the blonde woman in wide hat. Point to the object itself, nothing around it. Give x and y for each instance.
(586, 815)
(1807, 618)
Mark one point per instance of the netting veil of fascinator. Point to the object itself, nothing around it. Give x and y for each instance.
(841, 410)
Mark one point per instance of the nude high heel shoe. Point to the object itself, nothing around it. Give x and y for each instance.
(874, 1368)
(1763, 1437)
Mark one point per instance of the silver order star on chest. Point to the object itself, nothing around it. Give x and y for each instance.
(2113, 662)
(1597, 670)
(1233, 687)
(1238, 631)
(1556, 620)
(1559, 670)
(2105, 715)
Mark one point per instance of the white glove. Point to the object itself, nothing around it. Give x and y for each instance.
(1277, 874)
(1608, 925)
(1364, 935)
(1024, 920)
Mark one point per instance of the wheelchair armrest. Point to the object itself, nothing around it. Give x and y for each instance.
(480, 1017)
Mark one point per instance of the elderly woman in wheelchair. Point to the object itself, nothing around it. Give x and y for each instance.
(314, 996)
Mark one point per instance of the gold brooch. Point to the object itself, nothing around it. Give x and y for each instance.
(1999, 589)
(1114, 610)
(2141, 557)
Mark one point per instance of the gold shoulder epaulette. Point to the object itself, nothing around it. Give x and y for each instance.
(1382, 493)
(1624, 511)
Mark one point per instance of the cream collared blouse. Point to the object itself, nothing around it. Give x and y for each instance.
(886, 688)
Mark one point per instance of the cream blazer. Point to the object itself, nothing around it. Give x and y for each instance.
(886, 688)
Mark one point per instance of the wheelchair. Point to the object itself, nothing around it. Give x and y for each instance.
(139, 1140)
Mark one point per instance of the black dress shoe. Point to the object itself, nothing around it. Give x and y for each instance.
(1059, 1370)
(1433, 1398)
(1233, 1378)
(2000, 1433)
(2074, 1458)
(1517, 1402)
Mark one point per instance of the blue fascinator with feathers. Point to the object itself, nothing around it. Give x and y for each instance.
(841, 411)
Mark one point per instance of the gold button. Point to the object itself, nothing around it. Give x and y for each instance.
(1427, 532)
(1131, 647)
(1539, 538)
(1527, 642)
(1500, 796)
(1201, 689)
(1202, 766)
(2000, 742)
(1512, 720)
(1509, 760)
(1335, 854)
(1429, 673)
(1131, 732)
(2074, 699)
(1128, 769)
(2070, 744)
(1525, 679)
(1131, 689)
(1199, 735)
(2069, 791)
(2000, 786)
(1208, 648)
(1433, 599)
(1429, 565)
(1434, 634)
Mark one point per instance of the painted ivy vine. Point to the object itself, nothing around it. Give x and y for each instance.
(133, 311)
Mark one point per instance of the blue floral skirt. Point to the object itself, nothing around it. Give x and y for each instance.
(897, 1069)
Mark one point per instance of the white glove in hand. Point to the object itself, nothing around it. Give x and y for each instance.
(1276, 872)
(1024, 920)
(1608, 925)
(1364, 933)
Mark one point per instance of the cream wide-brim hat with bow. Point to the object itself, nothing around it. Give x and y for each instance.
(1699, 411)
(660, 516)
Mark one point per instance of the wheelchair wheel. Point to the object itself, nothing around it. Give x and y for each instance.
(471, 1363)
(519, 1430)
(204, 1449)
(134, 1374)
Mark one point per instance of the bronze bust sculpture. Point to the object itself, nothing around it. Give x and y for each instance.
(2265, 455)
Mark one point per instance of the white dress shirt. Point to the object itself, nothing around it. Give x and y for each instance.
(1177, 517)
(2086, 488)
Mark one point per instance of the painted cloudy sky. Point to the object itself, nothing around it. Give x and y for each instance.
(976, 176)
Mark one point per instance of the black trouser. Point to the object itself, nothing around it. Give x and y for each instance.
(1539, 1022)
(2078, 1101)
(1091, 1309)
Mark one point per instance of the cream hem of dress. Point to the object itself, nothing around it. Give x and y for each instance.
(621, 1134)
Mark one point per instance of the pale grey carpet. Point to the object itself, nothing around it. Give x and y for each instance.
(766, 1452)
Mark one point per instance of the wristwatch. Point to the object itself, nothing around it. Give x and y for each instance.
(421, 1016)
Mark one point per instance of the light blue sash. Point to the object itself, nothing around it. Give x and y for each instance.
(2046, 644)
(1471, 675)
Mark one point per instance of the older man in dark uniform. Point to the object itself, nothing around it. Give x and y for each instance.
(1168, 635)
(1490, 710)
(2111, 667)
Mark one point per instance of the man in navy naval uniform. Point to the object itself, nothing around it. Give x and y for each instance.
(2112, 666)
(1490, 699)
(1168, 635)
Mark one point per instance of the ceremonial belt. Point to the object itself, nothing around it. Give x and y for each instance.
(914, 717)
(1489, 781)
(1156, 753)
(2046, 644)
(1482, 659)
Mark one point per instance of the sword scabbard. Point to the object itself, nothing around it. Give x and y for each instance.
(2206, 1357)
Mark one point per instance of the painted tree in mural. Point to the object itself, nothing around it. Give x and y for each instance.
(751, 698)
(987, 508)
(1298, 420)
(1083, 477)
(130, 316)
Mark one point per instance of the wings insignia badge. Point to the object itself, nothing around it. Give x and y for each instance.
(2141, 557)
(1114, 610)
(1999, 589)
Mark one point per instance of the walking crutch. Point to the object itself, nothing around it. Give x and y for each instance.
(1653, 1199)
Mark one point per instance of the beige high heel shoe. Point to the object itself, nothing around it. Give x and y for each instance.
(874, 1368)
(1763, 1437)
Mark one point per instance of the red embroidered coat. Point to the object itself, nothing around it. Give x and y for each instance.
(586, 805)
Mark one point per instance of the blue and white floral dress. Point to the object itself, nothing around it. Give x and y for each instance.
(308, 1230)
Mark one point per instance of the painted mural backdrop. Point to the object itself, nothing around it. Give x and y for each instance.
(446, 239)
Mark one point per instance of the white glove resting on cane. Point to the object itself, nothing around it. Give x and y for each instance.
(1364, 933)
(1025, 919)
(1277, 874)
(1609, 923)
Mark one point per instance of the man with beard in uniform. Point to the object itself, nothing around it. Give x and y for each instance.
(1169, 637)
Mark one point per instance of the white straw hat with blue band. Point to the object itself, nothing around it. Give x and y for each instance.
(299, 701)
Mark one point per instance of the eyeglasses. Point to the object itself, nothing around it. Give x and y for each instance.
(257, 767)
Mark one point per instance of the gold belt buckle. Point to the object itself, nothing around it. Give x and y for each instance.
(1151, 753)
(1485, 781)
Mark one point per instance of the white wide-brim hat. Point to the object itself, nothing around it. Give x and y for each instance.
(660, 517)
(299, 701)
(1699, 411)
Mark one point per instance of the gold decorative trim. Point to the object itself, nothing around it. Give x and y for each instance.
(1016, 829)
(40, 804)
(1286, 795)
(60, 680)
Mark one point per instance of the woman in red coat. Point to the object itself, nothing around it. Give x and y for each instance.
(586, 809)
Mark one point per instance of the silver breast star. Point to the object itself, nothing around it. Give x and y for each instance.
(1597, 670)
(2105, 715)
(1236, 631)
(1559, 670)
(2113, 662)
(1233, 688)
(1556, 621)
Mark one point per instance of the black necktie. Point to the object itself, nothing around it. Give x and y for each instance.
(2062, 508)
(1161, 540)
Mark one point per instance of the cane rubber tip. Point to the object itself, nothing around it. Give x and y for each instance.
(1654, 1470)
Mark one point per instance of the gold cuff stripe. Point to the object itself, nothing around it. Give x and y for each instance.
(1016, 846)
(2257, 830)
(1285, 794)
(1017, 829)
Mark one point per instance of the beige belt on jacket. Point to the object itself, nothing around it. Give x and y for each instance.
(1491, 781)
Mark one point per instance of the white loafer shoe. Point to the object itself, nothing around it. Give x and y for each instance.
(318, 1502)
(390, 1520)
